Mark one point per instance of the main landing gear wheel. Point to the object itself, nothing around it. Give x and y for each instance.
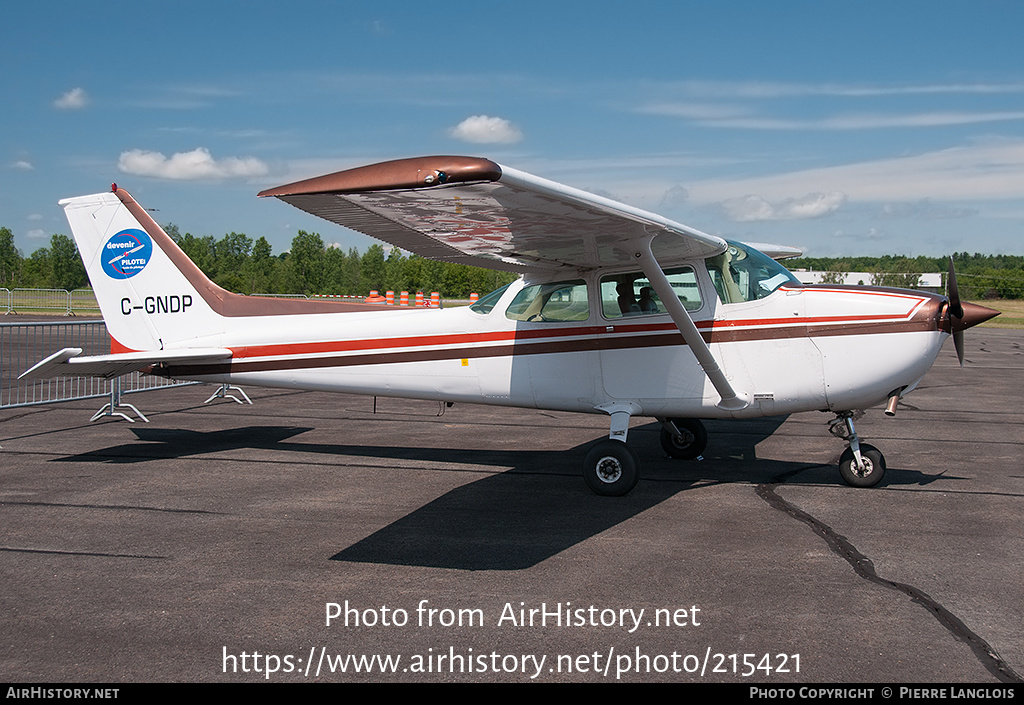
(689, 444)
(610, 468)
(870, 475)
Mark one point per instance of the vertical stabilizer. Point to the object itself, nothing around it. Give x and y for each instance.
(148, 290)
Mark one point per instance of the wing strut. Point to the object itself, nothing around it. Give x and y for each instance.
(731, 399)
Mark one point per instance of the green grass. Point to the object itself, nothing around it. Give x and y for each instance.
(1011, 313)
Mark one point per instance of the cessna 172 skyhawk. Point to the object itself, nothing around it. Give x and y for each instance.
(619, 311)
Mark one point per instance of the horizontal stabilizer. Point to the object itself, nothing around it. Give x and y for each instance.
(70, 362)
(776, 252)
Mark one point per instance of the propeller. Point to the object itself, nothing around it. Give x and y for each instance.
(961, 316)
(956, 310)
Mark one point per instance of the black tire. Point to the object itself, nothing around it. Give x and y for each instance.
(691, 442)
(611, 468)
(874, 469)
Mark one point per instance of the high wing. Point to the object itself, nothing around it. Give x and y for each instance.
(70, 362)
(474, 211)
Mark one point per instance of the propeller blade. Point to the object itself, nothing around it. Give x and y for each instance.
(958, 343)
(956, 310)
(961, 316)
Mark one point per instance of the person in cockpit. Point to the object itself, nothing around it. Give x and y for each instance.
(647, 304)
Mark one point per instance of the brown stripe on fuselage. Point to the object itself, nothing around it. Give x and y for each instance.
(926, 318)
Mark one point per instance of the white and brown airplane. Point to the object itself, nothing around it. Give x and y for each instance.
(619, 311)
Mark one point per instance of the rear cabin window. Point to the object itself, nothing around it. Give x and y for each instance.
(557, 301)
(485, 304)
(631, 294)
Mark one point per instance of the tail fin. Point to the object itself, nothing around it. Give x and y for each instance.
(151, 294)
(153, 297)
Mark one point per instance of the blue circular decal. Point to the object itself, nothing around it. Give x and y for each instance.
(126, 254)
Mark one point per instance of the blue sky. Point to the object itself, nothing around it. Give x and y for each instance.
(840, 128)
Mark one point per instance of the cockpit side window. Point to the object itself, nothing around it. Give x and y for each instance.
(631, 294)
(556, 301)
(744, 274)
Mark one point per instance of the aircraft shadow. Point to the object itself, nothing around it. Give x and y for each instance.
(510, 520)
(517, 519)
(171, 443)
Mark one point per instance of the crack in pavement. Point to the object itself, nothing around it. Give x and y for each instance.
(863, 566)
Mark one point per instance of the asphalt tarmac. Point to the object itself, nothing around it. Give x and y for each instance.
(311, 537)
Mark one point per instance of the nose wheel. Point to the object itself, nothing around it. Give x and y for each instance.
(869, 473)
(860, 465)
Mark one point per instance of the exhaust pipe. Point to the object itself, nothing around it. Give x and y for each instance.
(894, 399)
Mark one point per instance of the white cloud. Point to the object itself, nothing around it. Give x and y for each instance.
(774, 90)
(755, 105)
(923, 209)
(990, 169)
(865, 121)
(483, 129)
(701, 112)
(197, 164)
(674, 196)
(72, 100)
(744, 118)
(753, 208)
(22, 165)
(748, 208)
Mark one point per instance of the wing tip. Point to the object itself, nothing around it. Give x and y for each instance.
(416, 172)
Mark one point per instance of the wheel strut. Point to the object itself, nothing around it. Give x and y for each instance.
(843, 428)
(861, 465)
(611, 467)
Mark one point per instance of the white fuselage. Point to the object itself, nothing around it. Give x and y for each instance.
(605, 338)
(797, 349)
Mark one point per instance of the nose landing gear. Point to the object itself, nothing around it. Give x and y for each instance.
(861, 465)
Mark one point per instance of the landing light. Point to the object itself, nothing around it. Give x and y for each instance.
(438, 176)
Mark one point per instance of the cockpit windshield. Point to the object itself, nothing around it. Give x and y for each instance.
(742, 273)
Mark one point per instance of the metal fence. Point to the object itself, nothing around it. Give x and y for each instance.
(82, 301)
(69, 303)
(24, 344)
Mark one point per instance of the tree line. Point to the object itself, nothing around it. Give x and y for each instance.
(55, 267)
(241, 264)
(978, 276)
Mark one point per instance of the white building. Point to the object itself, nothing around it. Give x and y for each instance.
(929, 281)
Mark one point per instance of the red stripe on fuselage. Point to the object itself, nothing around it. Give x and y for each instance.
(380, 351)
(579, 333)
